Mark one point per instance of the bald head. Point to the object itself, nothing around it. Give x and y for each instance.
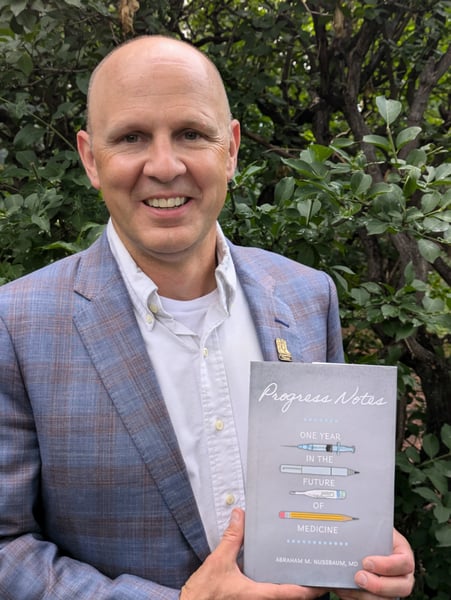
(139, 58)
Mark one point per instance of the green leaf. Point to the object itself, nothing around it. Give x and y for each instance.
(377, 140)
(443, 535)
(82, 80)
(431, 445)
(376, 227)
(403, 463)
(381, 188)
(409, 273)
(360, 295)
(433, 305)
(360, 183)
(438, 479)
(417, 157)
(28, 135)
(317, 152)
(17, 6)
(389, 311)
(429, 202)
(340, 280)
(41, 222)
(308, 208)
(343, 268)
(284, 189)
(300, 166)
(410, 186)
(435, 224)
(341, 142)
(441, 513)
(406, 135)
(443, 172)
(25, 64)
(404, 331)
(429, 250)
(388, 109)
(372, 287)
(426, 493)
(446, 435)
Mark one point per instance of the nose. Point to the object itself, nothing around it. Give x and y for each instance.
(163, 161)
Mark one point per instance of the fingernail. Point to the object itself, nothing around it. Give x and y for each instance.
(361, 580)
(235, 516)
(368, 565)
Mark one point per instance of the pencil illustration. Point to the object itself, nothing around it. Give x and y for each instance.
(313, 516)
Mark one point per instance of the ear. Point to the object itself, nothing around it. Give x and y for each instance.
(235, 138)
(84, 146)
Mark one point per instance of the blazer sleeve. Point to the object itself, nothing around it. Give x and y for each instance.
(32, 568)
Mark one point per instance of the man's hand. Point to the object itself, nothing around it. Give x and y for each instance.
(220, 578)
(385, 576)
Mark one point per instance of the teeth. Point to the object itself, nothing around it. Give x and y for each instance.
(165, 202)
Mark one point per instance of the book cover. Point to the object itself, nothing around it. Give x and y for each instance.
(320, 471)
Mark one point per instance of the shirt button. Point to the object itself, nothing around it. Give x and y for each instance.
(230, 499)
(219, 425)
(153, 308)
(149, 319)
(205, 352)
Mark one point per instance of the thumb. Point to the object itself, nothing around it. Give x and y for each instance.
(233, 536)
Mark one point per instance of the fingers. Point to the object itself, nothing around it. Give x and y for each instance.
(234, 534)
(385, 576)
(385, 587)
(219, 577)
(401, 562)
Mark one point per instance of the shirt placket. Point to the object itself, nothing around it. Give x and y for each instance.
(220, 432)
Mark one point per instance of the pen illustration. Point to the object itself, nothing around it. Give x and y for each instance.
(313, 516)
(317, 470)
(321, 494)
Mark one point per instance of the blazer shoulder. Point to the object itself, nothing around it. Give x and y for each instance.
(263, 263)
(55, 282)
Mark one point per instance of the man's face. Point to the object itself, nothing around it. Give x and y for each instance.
(161, 149)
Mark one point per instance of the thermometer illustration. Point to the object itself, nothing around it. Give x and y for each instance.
(321, 494)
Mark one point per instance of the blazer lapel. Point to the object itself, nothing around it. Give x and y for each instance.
(273, 318)
(108, 327)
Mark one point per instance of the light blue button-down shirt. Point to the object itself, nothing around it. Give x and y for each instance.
(201, 351)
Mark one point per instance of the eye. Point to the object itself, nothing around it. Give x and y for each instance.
(131, 138)
(191, 135)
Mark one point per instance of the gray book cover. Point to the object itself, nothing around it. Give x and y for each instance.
(320, 471)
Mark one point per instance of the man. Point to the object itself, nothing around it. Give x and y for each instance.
(124, 369)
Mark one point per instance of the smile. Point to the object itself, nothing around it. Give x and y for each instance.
(166, 202)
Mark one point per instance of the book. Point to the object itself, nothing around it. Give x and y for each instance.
(320, 471)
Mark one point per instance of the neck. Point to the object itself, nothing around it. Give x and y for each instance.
(184, 281)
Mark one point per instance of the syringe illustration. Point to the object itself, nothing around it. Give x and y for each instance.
(335, 448)
(317, 470)
(321, 494)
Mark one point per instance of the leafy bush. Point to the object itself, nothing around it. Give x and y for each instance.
(327, 211)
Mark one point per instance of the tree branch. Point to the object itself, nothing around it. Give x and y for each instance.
(264, 142)
(431, 74)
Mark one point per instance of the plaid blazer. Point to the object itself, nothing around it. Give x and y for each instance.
(95, 501)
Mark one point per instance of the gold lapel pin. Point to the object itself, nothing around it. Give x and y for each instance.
(282, 350)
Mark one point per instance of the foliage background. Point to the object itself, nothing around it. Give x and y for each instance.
(345, 108)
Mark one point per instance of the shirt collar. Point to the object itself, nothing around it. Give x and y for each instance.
(144, 292)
